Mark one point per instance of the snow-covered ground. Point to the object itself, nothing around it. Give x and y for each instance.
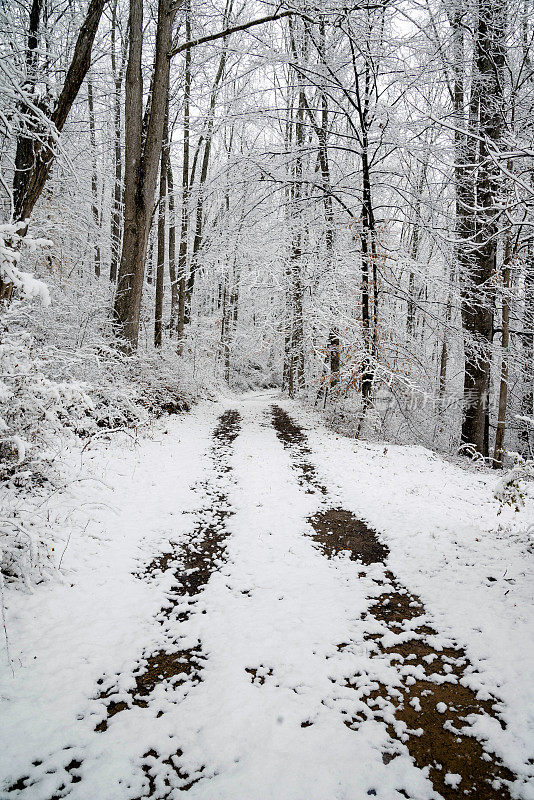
(266, 718)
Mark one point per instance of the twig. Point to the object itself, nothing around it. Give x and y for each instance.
(65, 548)
(4, 623)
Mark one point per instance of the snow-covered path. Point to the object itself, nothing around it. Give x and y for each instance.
(209, 638)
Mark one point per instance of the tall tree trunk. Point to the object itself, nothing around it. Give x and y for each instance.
(162, 219)
(478, 292)
(321, 131)
(527, 346)
(415, 236)
(116, 208)
(225, 325)
(498, 453)
(141, 159)
(367, 241)
(199, 216)
(184, 228)
(173, 280)
(444, 357)
(94, 179)
(296, 340)
(369, 292)
(324, 162)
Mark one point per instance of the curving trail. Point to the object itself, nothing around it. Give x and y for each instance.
(274, 643)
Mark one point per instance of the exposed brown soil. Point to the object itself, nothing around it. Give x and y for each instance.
(430, 675)
(172, 778)
(71, 775)
(293, 438)
(338, 531)
(438, 739)
(176, 668)
(259, 674)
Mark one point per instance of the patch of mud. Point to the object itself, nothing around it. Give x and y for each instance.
(68, 775)
(294, 439)
(164, 775)
(259, 674)
(228, 428)
(338, 531)
(432, 709)
(174, 668)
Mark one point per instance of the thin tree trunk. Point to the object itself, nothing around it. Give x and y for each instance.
(527, 346)
(444, 358)
(94, 179)
(333, 335)
(296, 345)
(498, 453)
(225, 324)
(414, 248)
(116, 209)
(162, 218)
(172, 249)
(199, 216)
(184, 228)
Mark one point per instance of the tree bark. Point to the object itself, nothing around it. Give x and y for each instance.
(162, 219)
(142, 160)
(31, 181)
(94, 179)
(296, 339)
(26, 144)
(116, 209)
(184, 228)
(498, 454)
(479, 266)
(172, 249)
(527, 347)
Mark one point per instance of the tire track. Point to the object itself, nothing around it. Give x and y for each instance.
(192, 562)
(430, 707)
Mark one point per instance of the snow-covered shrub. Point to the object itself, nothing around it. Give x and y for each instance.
(33, 408)
(26, 536)
(26, 396)
(13, 245)
(511, 489)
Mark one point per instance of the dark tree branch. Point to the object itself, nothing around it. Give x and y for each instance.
(227, 31)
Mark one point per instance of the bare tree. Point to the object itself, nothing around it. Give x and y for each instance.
(142, 156)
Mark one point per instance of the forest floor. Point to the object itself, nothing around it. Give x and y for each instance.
(259, 609)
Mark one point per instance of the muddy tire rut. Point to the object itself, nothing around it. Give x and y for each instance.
(192, 562)
(431, 708)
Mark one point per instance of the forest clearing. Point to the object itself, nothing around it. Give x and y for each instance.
(266, 399)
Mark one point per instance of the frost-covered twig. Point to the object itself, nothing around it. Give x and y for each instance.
(4, 623)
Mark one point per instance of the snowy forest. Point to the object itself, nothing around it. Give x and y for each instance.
(266, 399)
